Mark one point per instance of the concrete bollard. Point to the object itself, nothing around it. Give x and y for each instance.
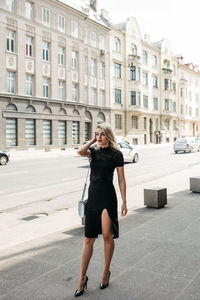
(155, 197)
(195, 184)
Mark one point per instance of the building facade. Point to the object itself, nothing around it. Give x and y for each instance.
(54, 80)
(154, 95)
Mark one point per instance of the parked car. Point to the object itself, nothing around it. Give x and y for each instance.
(4, 157)
(189, 144)
(129, 152)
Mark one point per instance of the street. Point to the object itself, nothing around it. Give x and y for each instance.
(46, 189)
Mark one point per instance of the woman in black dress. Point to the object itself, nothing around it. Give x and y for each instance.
(101, 209)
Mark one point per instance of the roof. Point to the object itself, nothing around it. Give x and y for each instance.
(83, 7)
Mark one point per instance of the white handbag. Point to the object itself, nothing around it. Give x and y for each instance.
(83, 201)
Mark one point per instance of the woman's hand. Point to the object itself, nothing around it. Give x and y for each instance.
(124, 209)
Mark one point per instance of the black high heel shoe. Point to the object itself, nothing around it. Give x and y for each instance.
(105, 285)
(80, 293)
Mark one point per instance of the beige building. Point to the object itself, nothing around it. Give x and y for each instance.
(149, 88)
(54, 80)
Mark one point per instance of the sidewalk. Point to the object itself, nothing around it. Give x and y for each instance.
(156, 257)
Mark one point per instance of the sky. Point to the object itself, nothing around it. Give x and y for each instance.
(176, 20)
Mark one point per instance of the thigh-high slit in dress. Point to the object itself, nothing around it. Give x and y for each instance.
(101, 193)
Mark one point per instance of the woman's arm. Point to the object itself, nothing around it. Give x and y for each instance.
(83, 150)
(122, 187)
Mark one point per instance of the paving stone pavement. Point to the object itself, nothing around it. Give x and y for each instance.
(156, 257)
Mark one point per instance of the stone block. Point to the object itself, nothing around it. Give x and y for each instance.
(195, 184)
(155, 197)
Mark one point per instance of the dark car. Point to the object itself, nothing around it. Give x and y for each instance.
(4, 157)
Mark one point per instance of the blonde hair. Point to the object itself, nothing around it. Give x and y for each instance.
(107, 129)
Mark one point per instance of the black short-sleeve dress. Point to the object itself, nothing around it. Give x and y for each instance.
(101, 192)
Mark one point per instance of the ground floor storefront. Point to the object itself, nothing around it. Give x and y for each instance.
(39, 124)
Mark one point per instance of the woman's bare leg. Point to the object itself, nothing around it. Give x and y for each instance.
(85, 259)
(109, 243)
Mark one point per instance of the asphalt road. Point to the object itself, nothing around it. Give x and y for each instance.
(30, 183)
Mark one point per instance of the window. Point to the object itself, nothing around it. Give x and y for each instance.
(46, 16)
(197, 112)
(118, 121)
(167, 124)
(29, 46)
(11, 82)
(145, 101)
(135, 141)
(117, 45)
(87, 131)
(145, 78)
(132, 73)
(181, 92)
(182, 126)
(74, 92)
(156, 123)
(102, 70)
(74, 28)
(61, 90)
(10, 41)
(117, 68)
(133, 49)
(47, 132)
(155, 103)
(10, 5)
(181, 108)
(28, 10)
(174, 125)
(93, 38)
(61, 56)
(155, 61)
(186, 109)
(74, 60)
(197, 97)
(75, 132)
(62, 132)
(190, 110)
(93, 96)
(138, 74)
(117, 96)
(45, 51)
(145, 123)
(61, 23)
(93, 67)
(30, 132)
(155, 81)
(174, 69)
(45, 87)
(144, 57)
(190, 95)
(11, 132)
(166, 83)
(174, 87)
(133, 98)
(174, 106)
(139, 98)
(135, 122)
(29, 85)
(102, 98)
(101, 42)
(166, 104)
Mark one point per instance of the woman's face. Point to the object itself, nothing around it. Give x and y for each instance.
(101, 138)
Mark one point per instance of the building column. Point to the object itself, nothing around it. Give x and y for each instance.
(55, 134)
(39, 134)
(69, 134)
(21, 141)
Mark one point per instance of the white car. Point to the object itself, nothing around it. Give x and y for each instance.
(190, 144)
(129, 152)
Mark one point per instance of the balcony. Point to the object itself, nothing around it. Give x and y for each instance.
(167, 70)
(132, 59)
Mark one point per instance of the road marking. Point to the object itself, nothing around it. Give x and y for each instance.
(13, 173)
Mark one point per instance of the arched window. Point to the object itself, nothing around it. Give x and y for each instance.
(155, 60)
(12, 107)
(133, 49)
(144, 57)
(117, 45)
(30, 108)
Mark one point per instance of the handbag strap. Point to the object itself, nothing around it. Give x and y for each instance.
(86, 181)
